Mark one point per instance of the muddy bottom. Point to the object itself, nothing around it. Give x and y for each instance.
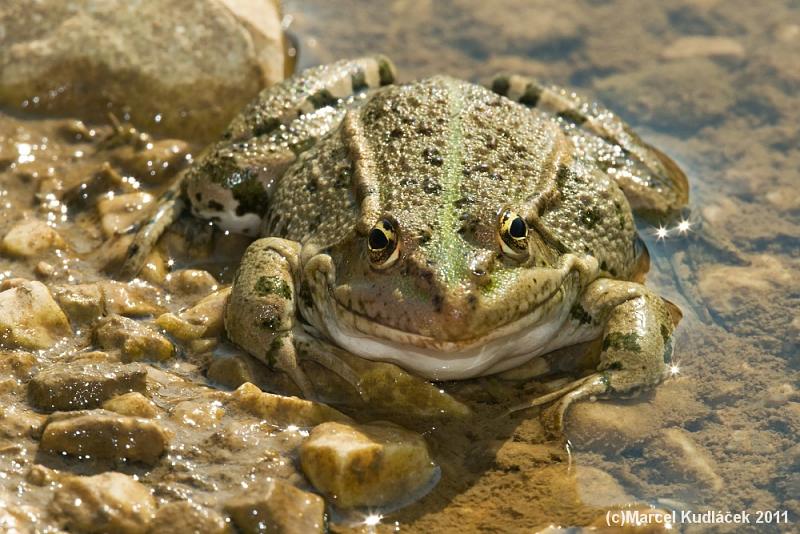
(714, 84)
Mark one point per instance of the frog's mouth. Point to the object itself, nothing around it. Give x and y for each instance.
(546, 327)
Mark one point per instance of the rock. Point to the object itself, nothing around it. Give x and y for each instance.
(685, 457)
(131, 299)
(186, 517)
(120, 212)
(703, 46)
(751, 441)
(104, 435)
(82, 302)
(17, 519)
(519, 456)
(155, 267)
(386, 389)
(109, 502)
(598, 488)
(612, 426)
(136, 341)
(191, 282)
(44, 270)
(30, 318)
(277, 508)
(727, 289)
(179, 328)
(366, 465)
(155, 161)
(133, 403)
(780, 394)
(31, 238)
(198, 413)
(283, 411)
(88, 302)
(204, 319)
(17, 364)
(78, 386)
(230, 371)
(183, 68)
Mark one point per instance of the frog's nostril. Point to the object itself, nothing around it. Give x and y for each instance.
(481, 266)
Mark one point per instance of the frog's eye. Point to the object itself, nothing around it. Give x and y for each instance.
(382, 244)
(513, 235)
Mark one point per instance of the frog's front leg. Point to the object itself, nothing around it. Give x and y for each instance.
(230, 182)
(652, 182)
(261, 312)
(636, 349)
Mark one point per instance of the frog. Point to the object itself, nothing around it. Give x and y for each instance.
(453, 229)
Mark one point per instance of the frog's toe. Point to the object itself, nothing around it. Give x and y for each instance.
(337, 366)
(552, 417)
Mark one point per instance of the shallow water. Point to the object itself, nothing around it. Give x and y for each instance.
(726, 107)
(714, 84)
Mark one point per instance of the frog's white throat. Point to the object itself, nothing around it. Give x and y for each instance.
(539, 332)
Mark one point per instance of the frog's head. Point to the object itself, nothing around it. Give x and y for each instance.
(448, 270)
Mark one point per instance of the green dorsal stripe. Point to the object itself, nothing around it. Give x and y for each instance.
(446, 245)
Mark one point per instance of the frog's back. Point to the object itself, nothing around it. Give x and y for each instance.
(443, 157)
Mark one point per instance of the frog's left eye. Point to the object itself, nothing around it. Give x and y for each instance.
(513, 235)
(382, 244)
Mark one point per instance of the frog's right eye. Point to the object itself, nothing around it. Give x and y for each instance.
(382, 244)
(512, 233)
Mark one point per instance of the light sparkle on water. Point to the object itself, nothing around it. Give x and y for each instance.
(373, 520)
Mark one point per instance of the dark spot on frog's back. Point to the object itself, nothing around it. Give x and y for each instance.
(312, 185)
(579, 314)
(213, 205)
(273, 285)
(268, 126)
(431, 186)
(433, 156)
(591, 217)
(562, 175)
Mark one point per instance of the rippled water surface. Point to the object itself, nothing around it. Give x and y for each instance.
(713, 83)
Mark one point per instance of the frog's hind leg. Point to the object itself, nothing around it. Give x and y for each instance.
(636, 350)
(230, 183)
(652, 182)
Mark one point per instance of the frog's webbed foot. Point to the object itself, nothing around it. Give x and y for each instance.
(636, 353)
(652, 182)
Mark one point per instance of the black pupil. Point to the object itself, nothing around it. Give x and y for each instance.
(517, 228)
(377, 239)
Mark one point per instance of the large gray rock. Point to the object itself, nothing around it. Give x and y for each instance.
(194, 62)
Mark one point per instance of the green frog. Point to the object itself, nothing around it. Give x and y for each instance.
(452, 229)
